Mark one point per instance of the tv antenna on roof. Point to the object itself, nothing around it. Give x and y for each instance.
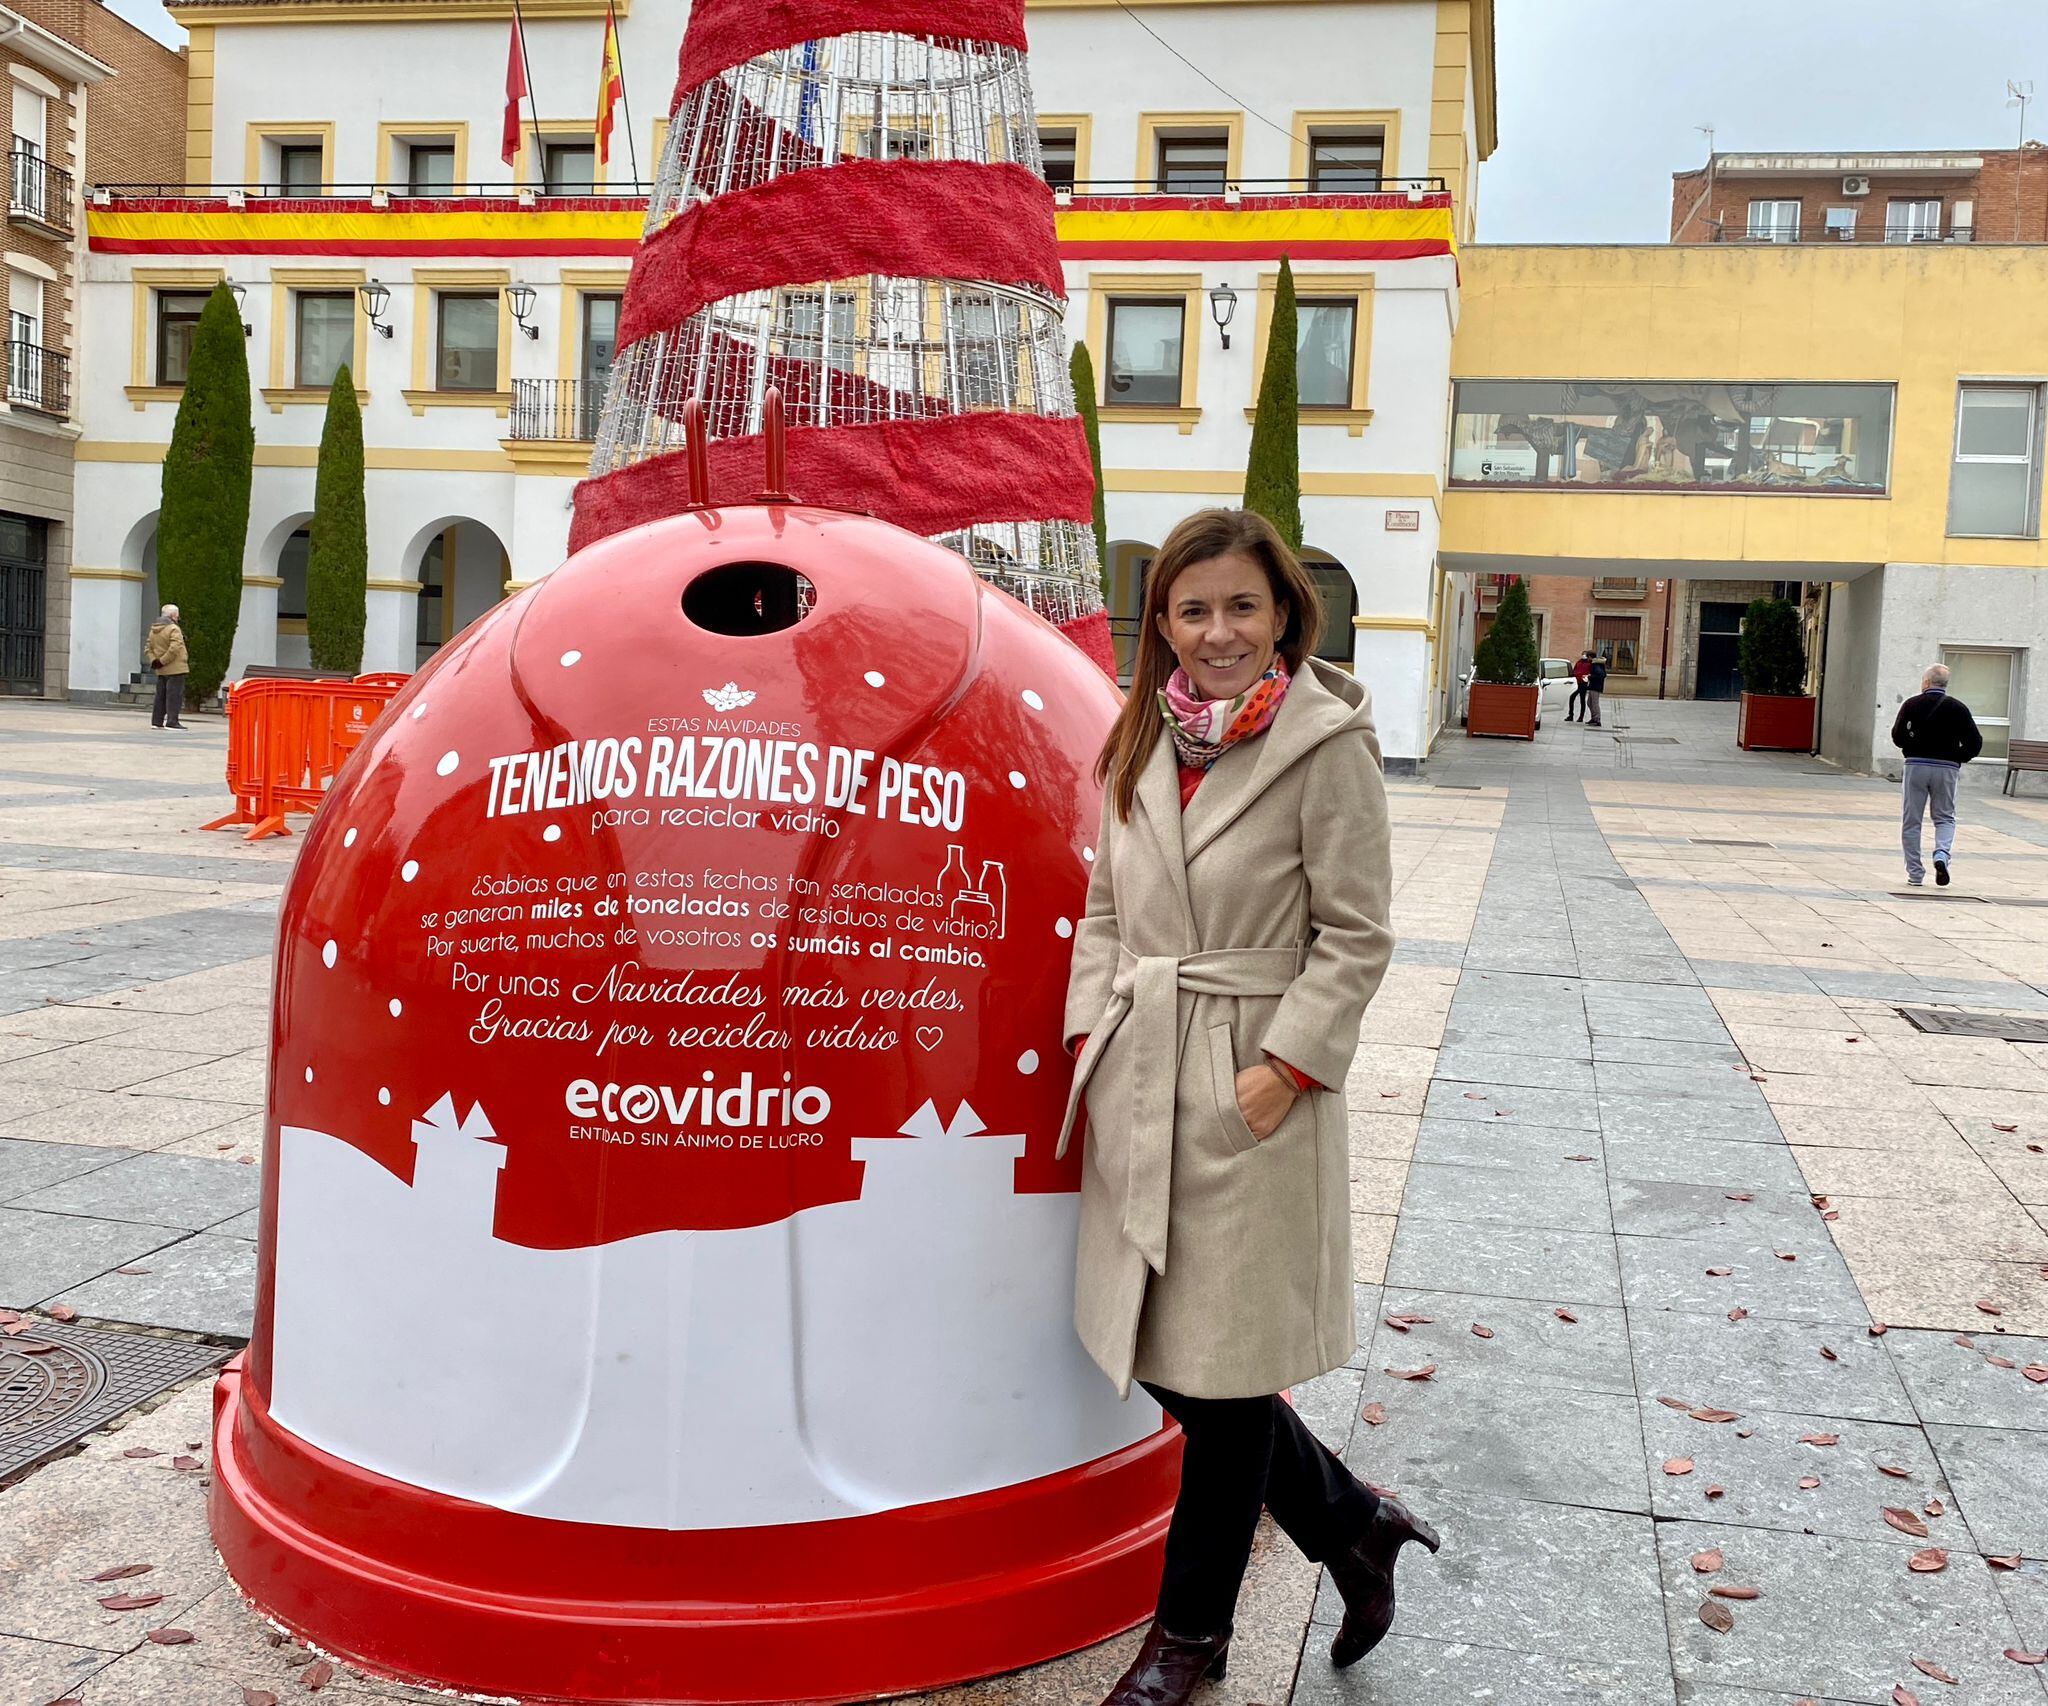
(2019, 94)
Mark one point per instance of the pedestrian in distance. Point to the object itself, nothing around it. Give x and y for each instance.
(1236, 927)
(1936, 732)
(1596, 684)
(1582, 666)
(165, 653)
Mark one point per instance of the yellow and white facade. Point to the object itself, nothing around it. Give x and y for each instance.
(475, 435)
(1893, 396)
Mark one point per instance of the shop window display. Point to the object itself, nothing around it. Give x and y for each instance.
(1670, 436)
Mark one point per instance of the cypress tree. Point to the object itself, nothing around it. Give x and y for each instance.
(1081, 368)
(1508, 653)
(203, 526)
(338, 563)
(1772, 652)
(1272, 480)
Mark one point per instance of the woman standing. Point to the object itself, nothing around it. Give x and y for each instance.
(1236, 928)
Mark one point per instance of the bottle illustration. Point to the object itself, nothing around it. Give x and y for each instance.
(953, 879)
(996, 886)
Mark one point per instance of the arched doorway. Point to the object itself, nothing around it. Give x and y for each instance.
(138, 556)
(1340, 604)
(1128, 561)
(461, 567)
(285, 551)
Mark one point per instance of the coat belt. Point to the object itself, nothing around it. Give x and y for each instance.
(1146, 994)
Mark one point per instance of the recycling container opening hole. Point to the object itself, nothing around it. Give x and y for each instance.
(748, 598)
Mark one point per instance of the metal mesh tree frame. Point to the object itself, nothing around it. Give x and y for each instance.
(871, 348)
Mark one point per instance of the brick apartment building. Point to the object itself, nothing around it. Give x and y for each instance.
(90, 98)
(1990, 196)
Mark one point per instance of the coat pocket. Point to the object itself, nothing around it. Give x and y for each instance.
(1237, 1130)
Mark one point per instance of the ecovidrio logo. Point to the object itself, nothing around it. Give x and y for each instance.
(742, 1104)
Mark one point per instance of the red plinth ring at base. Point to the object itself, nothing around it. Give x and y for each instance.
(409, 1584)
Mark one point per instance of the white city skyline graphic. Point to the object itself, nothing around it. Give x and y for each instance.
(911, 1346)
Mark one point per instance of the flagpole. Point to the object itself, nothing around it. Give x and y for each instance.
(540, 159)
(625, 101)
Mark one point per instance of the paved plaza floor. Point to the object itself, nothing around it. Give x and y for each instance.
(1729, 1282)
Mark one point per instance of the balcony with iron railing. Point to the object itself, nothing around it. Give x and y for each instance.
(561, 411)
(39, 193)
(38, 379)
(1621, 586)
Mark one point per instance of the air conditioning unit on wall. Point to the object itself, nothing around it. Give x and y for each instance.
(1855, 186)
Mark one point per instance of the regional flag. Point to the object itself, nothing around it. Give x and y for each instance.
(515, 92)
(610, 87)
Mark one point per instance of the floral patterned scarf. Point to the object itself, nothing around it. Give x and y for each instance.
(1204, 729)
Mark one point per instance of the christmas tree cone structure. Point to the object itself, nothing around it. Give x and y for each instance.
(665, 1269)
(850, 209)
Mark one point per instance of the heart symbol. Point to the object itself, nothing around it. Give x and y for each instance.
(929, 1037)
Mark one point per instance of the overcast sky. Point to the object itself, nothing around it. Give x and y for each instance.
(1599, 98)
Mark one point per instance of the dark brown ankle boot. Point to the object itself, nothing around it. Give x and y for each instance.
(1167, 1668)
(1365, 1578)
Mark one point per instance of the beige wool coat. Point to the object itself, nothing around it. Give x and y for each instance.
(1211, 1263)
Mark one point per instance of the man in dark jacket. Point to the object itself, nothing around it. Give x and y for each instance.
(1596, 684)
(1938, 736)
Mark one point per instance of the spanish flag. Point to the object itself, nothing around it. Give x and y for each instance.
(611, 86)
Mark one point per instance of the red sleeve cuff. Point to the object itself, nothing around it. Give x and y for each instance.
(1302, 1081)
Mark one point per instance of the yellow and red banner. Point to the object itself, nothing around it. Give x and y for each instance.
(1129, 228)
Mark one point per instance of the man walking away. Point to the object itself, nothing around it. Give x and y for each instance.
(1582, 666)
(1596, 684)
(166, 655)
(1938, 736)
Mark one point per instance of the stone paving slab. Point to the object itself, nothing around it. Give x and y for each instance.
(163, 1190)
(1842, 1618)
(44, 1254)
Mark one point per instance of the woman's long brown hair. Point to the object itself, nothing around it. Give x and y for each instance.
(1205, 534)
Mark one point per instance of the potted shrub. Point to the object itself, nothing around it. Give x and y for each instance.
(1776, 715)
(1505, 699)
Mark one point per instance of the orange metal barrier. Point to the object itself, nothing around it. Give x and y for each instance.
(288, 739)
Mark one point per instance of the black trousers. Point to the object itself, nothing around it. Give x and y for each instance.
(1577, 703)
(170, 700)
(1242, 1454)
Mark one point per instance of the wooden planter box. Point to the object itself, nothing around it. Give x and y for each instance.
(1776, 722)
(1498, 709)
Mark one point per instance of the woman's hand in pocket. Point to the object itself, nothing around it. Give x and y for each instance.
(1264, 1099)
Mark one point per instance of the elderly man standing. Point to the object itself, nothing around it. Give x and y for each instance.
(1938, 735)
(165, 652)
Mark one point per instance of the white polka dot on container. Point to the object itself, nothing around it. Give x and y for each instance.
(875, 678)
(409, 870)
(349, 840)
(571, 659)
(1016, 778)
(397, 1006)
(309, 1075)
(449, 760)
(1033, 700)
(1088, 853)
(329, 953)
(1063, 927)
(1027, 1062)
(553, 832)
(419, 710)
(383, 1098)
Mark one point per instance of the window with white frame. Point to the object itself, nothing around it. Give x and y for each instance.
(1325, 342)
(1994, 485)
(1145, 338)
(1984, 678)
(1841, 224)
(1912, 221)
(326, 334)
(1774, 221)
(27, 182)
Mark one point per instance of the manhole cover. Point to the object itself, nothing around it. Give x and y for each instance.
(1649, 740)
(1949, 1023)
(59, 1382)
(1703, 841)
